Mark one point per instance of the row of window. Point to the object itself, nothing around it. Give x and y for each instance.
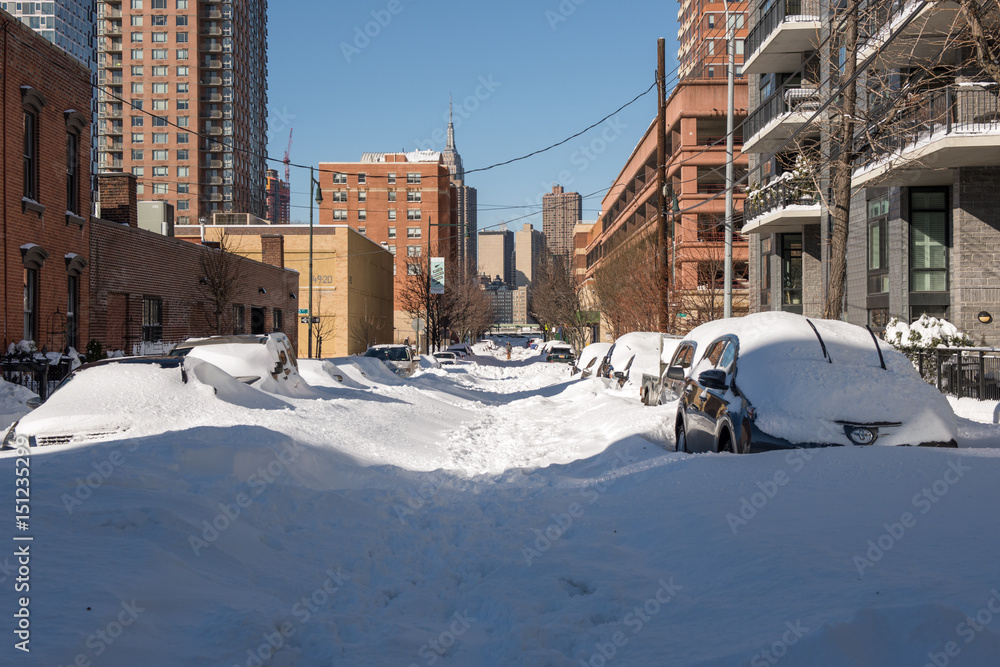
(152, 319)
(32, 320)
(412, 196)
(158, 4)
(159, 54)
(31, 133)
(159, 37)
(137, 20)
(340, 214)
(412, 178)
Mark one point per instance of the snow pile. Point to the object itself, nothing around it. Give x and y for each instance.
(13, 403)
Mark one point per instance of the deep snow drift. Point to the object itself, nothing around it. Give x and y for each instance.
(496, 513)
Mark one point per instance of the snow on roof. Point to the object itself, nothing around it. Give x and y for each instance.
(411, 156)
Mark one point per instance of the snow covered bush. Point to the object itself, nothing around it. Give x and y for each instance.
(927, 333)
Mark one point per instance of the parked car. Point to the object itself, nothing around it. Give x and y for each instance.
(399, 358)
(264, 361)
(590, 359)
(633, 355)
(461, 350)
(773, 381)
(560, 352)
(446, 358)
(651, 390)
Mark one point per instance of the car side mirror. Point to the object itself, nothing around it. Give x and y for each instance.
(620, 375)
(675, 373)
(713, 379)
(33, 402)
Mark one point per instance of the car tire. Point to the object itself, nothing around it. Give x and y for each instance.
(726, 443)
(681, 438)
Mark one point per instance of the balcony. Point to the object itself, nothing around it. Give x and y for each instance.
(787, 29)
(212, 81)
(212, 31)
(213, 164)
(783, 205)
(216, 115)
(923, 39)
(113, 129)
(212, 14)
(214, 97)
(212, 48)
(921, 143)
(213, 63)
(108, 163)
(779, 117)
(214, 180)
(110, 113)
(214, 130)
(113, 46)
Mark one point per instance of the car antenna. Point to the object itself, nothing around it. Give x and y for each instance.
(826, 355)
(881, 359)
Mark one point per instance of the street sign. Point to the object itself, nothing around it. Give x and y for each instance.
(418, 324)
(437, 275)
(303, 311)
(305, 320)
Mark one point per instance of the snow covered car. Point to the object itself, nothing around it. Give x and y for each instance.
(633, 355)
(590, 359)
(461, 350)
(560, 353)
(264, 361)
(399, 358)
(446, 358)
(775, 380)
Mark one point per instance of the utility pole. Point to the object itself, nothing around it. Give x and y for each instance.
(666, 285)
(731, 51)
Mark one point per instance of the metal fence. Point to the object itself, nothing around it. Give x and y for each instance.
(962, 372)
(35, 372)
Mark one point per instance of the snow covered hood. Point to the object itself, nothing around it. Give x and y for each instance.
(801, 395)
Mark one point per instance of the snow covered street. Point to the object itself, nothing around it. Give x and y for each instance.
(496, 513)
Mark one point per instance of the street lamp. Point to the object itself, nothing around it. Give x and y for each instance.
(319, 200)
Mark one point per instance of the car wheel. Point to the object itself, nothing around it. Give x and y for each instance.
(726, 443)
(681, 437)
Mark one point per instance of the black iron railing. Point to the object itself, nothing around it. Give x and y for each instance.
(961, 372)
(781, 101)
(779, 12)
(800, 192)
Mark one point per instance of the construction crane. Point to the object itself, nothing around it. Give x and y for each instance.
(288, 158)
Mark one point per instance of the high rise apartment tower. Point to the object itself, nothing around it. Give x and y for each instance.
(560, 212)
(182, 101)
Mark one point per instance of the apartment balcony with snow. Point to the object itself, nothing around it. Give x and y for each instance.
(770, 126)
(930, 134)
(784, 205)
(785, 30)
(904, 33)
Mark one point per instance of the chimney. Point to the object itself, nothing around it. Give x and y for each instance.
(117, 197)
(272, 247)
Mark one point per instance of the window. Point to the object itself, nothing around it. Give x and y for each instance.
(72, 173)
(392, 180)
(276, 319)
(412, 178)
(340, 196)
(182, 137)
(159, 20)
(138, 172)
(183, 70)
(183, 205)
(136, 70)
(136, 4)
(137, 88)
(413, 214)
(152, 319)
(413, 269)
(160, 137)
(182, 105)
(362, 178)
(160, 105)
(392, 232)
(138, 137)
(413, 196)
(362, 195)
(30, 155)
(161, 188)
(137, 154)
(392, 250)
(362, 215)
(136, 54)
(137, 121)
(183, 155)
(766, 250)
(183, 172)
(136, 20)
(392, 195)
(182, 189)
(362, 230)
(160, 154)
(161, 89)
(182, 38)
(136, 36)
(159, 4)
(239, 319)
(413, 232)
(72, 306)
(392, 214)
(182, 20)
(340, 179)
(161, 70)
(159, 37)
(414, 250)
(791, 272)
(878, 252)
(31, 304)
(182, 54)
(928, 241)
(183, 121)
(340, 214)
(182, 4)
(159, 54)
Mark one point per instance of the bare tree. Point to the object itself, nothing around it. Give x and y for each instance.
(627, 286)
(707, 302)
(221, 270)
(364, 327)
(556, 303)
(415, 300)
(326, 329)
(465, 308)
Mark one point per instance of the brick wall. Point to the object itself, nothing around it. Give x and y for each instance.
(35, 72)
(119, 202)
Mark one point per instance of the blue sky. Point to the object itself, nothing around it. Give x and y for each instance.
(352, 77)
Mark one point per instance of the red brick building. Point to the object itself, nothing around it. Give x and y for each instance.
(147, 288)
(45, 184)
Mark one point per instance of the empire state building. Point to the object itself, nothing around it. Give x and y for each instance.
(464, 213)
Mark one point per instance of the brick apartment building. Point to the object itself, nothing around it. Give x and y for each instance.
(46, 190)
(182, 101)
(148, 288)
(401, 201)
(561, 211)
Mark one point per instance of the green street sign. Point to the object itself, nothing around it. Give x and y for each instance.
(303, 311)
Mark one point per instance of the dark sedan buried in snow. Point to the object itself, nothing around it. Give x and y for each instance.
(772, 381)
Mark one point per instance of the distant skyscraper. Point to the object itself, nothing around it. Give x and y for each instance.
(529, 253)
(68, 24)
(560, 213)
(496, 255)
(278, 199)
(465, 211)
(184, 107)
